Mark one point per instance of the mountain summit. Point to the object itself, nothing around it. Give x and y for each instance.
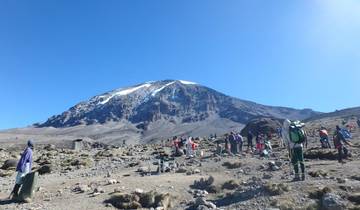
(174, 101)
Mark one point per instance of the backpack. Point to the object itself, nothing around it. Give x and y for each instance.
(345, 134)
(323, 133)
(232, 138)
(297, 134)
(239, 138)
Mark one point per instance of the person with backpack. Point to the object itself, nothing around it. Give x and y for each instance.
(294, 137)
(177, 146)
(240, 141)
(227, 144)
(324, 138)
(250, 137)
(233, 143)
(267, 143)
(340, 139)
(23, 167)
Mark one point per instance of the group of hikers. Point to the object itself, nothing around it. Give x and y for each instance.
(234, 142)
(295, 138)
(341, 139)
(292, 135)
(185, 146)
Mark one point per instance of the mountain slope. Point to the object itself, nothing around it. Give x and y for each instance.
(152, 111)
(175, 101)
(344, 113)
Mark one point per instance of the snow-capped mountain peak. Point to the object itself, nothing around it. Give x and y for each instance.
(187, 82)
(151, 88)
(178, 101)
(123, 92)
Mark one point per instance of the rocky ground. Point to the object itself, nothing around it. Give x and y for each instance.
(106, 177)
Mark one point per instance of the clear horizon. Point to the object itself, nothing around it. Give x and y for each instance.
(298, 54)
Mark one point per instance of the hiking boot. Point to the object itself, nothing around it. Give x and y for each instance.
(296, 178)
(15, 192)
(303, 177)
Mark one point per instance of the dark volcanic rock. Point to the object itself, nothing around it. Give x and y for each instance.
(45, 169)
(262, 125)
(11, 163)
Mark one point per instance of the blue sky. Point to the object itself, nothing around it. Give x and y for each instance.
(54, 54)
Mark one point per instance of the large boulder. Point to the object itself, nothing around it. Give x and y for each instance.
(45, 169)
(355, 198)
(230, 185)
(276, 189)
(201, 203)
(203, 184)
(318, 153)
(261, 125)
(6, 173)
(140, 199)
(50, 147)
(8, 164)
(331, 201)
(81, 188)
(232, 165)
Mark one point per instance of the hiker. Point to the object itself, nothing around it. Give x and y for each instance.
(267, 143)
(278, 131)
(182, 144)
(189, 148)
(350, 127)
(324, 138)
(23, 167)
(240, 140)
(294, 137)
(219, 148)
(358, 122)
(194, 145)
(174, 144)
(250, 137)
(233, 143)
(259, 144)
(339, 141)
(178, 145)
(227, 144)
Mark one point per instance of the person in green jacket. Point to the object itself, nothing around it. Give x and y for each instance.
(295, 151)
